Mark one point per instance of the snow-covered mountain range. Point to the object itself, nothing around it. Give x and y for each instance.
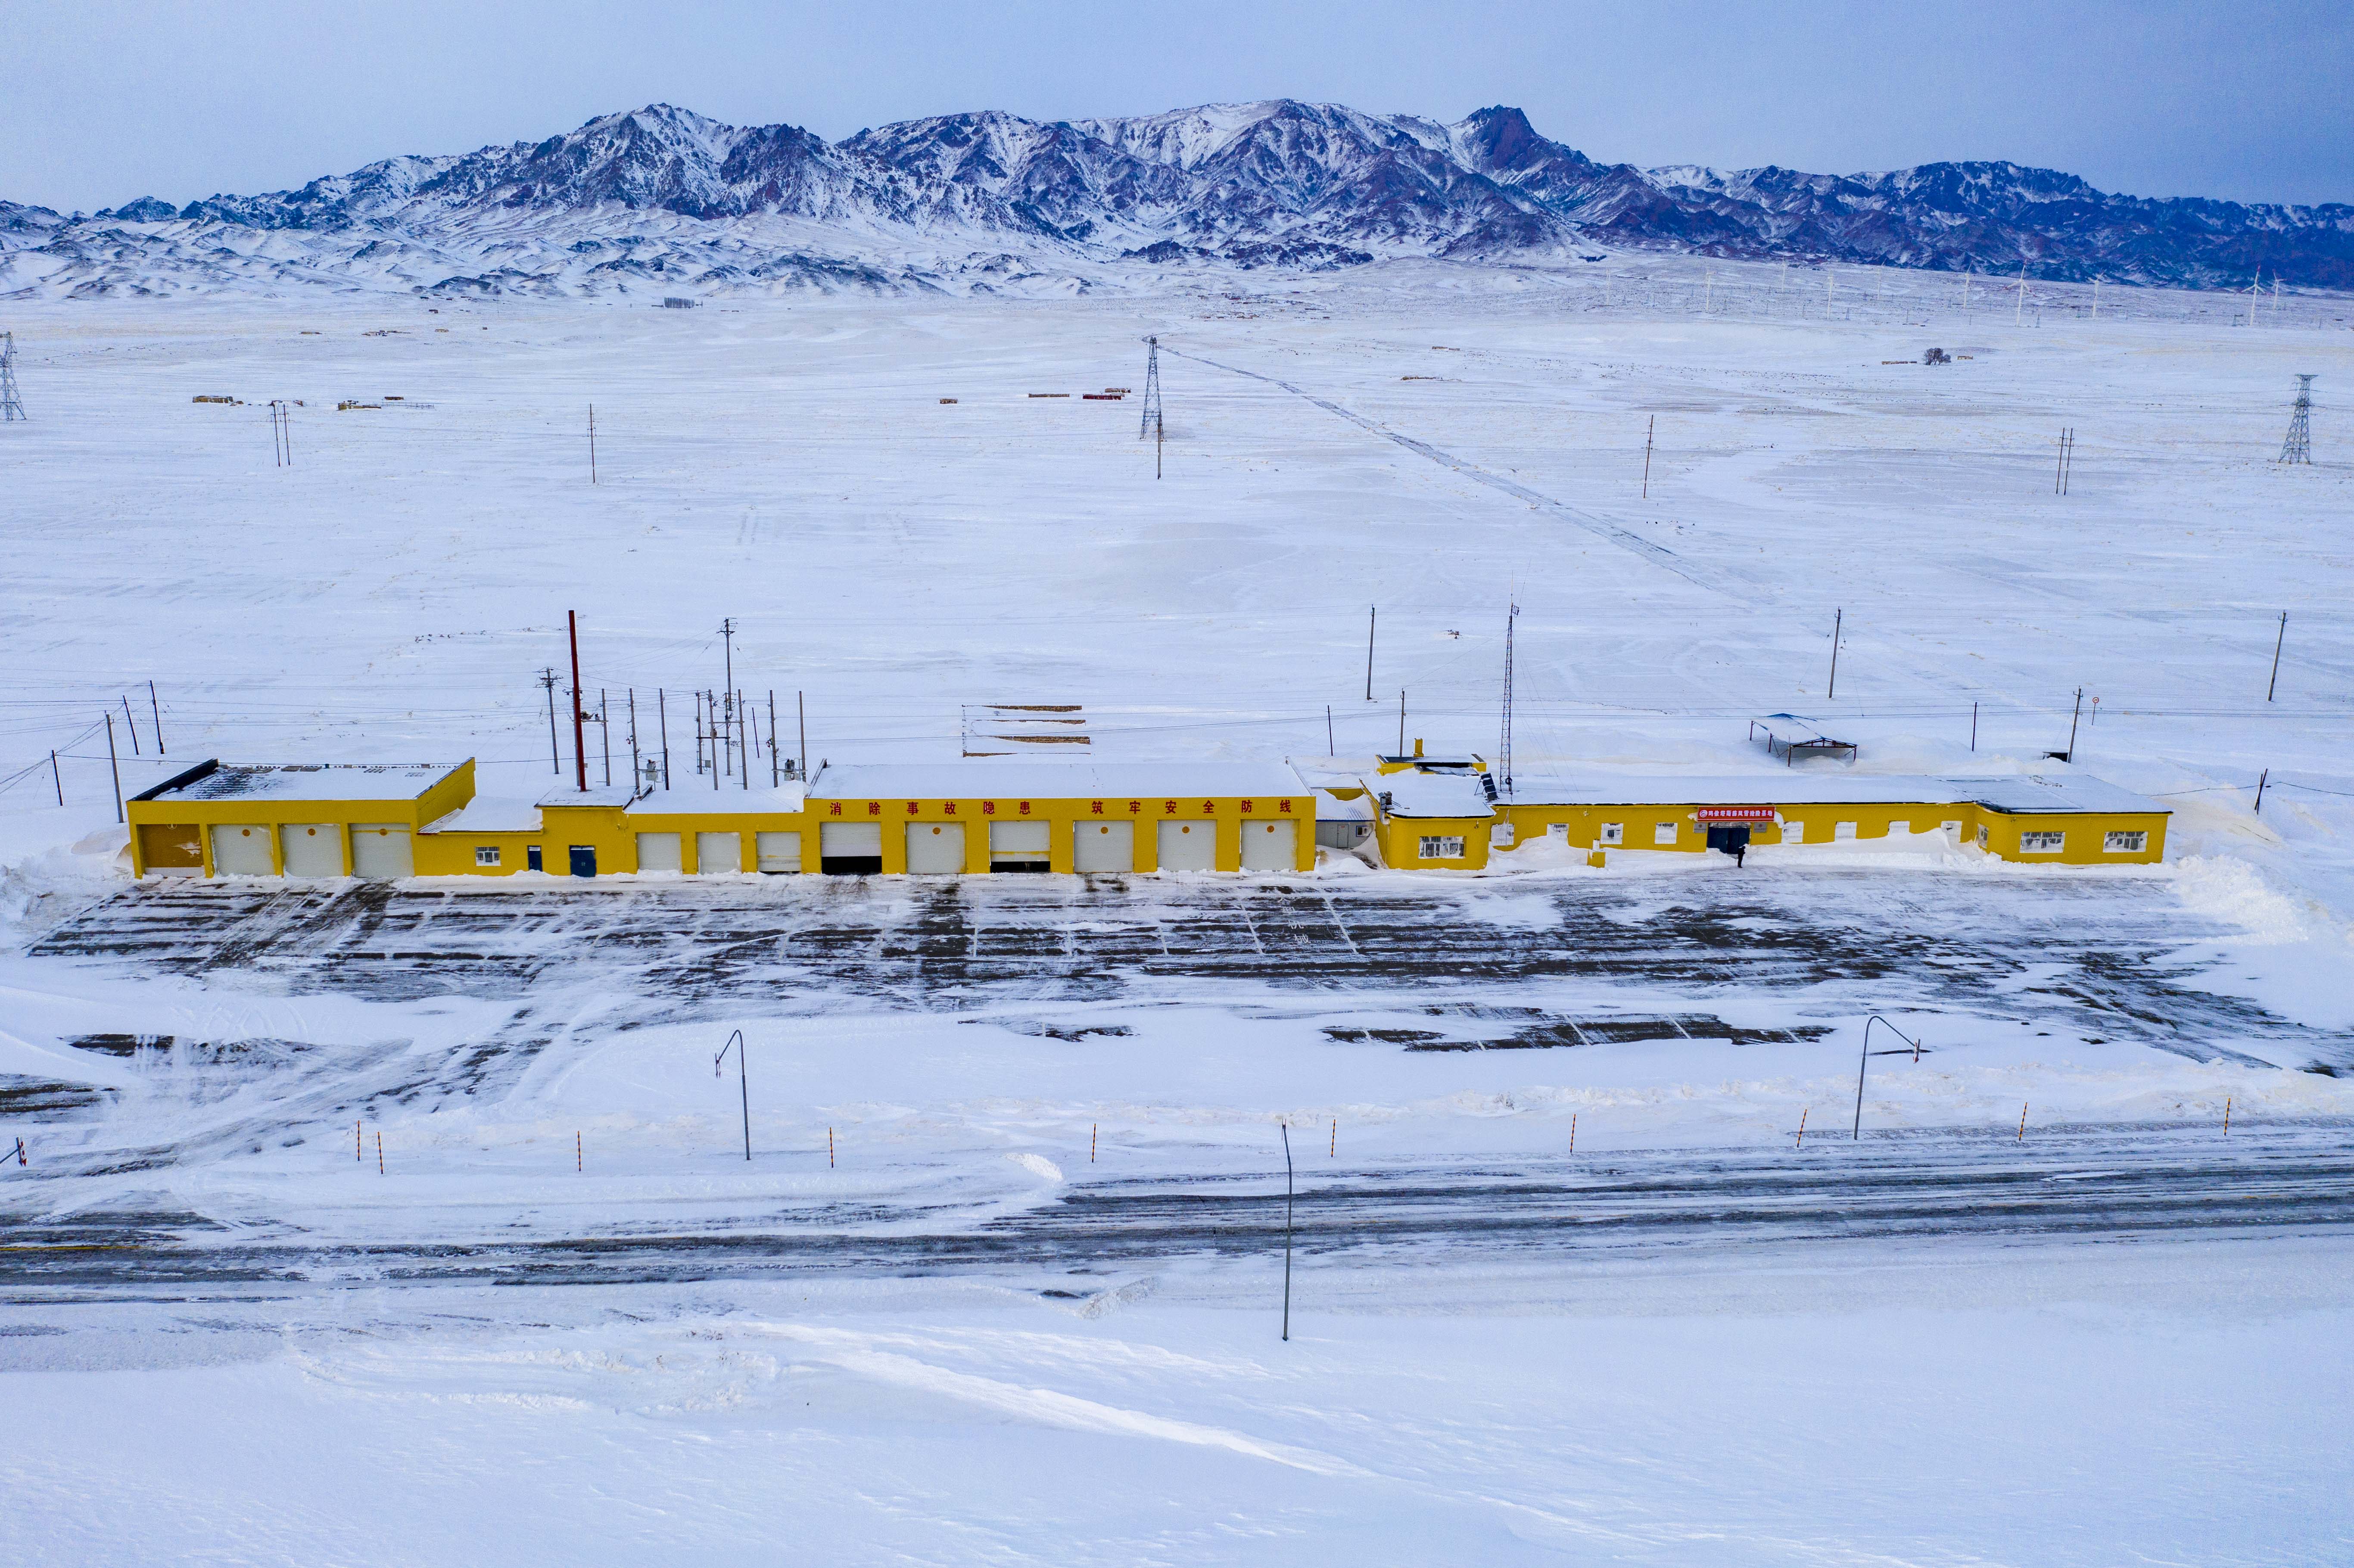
(663, 200)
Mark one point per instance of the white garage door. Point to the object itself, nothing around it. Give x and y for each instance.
(934, 849)
(380, 850)
(718, 852)
(241, 851)
(1189, 846)
(312, 849)
(1019, 846)
(779, 852)
(1104, 847)
(1267, 846)
(850, 839)
(658, 852)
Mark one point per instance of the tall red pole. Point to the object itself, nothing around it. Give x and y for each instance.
(579, 752)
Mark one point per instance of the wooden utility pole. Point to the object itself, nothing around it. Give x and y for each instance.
(114, 762)
(156, 709)
(592, 443)
(2277, 643)
(1838, 623)
(801, 710)
(579, 749)
(1650, 427)
(1373, 619)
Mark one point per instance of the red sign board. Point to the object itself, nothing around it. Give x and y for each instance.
(1735, 813)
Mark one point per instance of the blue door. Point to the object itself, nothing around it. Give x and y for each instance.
(584, 860)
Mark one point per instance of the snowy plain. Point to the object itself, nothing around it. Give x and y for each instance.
(316, 1370)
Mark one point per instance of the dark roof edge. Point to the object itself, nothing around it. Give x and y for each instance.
(204, 769)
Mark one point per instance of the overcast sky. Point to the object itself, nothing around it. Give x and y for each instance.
(104, 101)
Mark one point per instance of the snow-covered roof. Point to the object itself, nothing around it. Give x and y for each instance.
(311, 781)
(489, 814)
(1432, 794)
(1788, 787)
(1780, 786)
(595, 795)
(1330, 808)
(1051, 780)
(702, 800)
(2035, 792)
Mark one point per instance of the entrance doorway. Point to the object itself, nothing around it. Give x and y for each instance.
(1732, 840)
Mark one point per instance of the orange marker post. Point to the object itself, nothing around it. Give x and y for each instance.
(1334, 1152)
(579, 1156)
(2022, 1122)
(829, 1149)
(1802, 1127)
(2227, 1115)
(356, 1155)
(380, 1154)
(1091, 1143)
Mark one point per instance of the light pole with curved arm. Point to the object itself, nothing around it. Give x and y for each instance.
(744, 1085)
(1911, 1044)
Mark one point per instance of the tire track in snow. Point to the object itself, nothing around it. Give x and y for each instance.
(1610, 532)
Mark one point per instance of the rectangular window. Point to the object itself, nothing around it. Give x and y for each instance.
(2042, 843)
(1500, 836)
(1557, 830)
(1982, 835)
(488, 855)
(2125, 843)
(1614, 832)
(1436, 847)
(1665, 833)
(1843, 831)
(1794, 832)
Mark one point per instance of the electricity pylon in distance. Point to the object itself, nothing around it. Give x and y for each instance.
(2298, 447)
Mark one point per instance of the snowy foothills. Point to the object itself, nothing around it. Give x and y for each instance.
(413, 1222)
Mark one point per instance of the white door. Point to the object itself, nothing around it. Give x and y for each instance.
(658, 852)
(779, 852)
(1189, 846)
(1267, 846)
(850, 841)
(1018, 844)
(934, 849)
(312, 849)
(715, 854)
(241, 851)
(380, 850)
(1103, 846)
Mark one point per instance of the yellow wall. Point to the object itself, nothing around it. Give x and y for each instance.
(1226, 811)
(442, 797)
(1401, 848)
(2087, 831)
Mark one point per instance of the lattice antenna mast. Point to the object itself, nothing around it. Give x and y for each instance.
(2298, 447)
(12, 407)
(1149, 425)
(1504, 747)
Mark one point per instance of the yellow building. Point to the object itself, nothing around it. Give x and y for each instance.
(297, 819)
(2067, 819)
(956, 818)
(382, 820)
(1070, 817)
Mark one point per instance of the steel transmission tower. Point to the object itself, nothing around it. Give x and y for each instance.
(12, 407)
(1149, 424)
(2298, 447)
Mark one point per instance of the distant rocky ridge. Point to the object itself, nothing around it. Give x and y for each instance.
(664, 200)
